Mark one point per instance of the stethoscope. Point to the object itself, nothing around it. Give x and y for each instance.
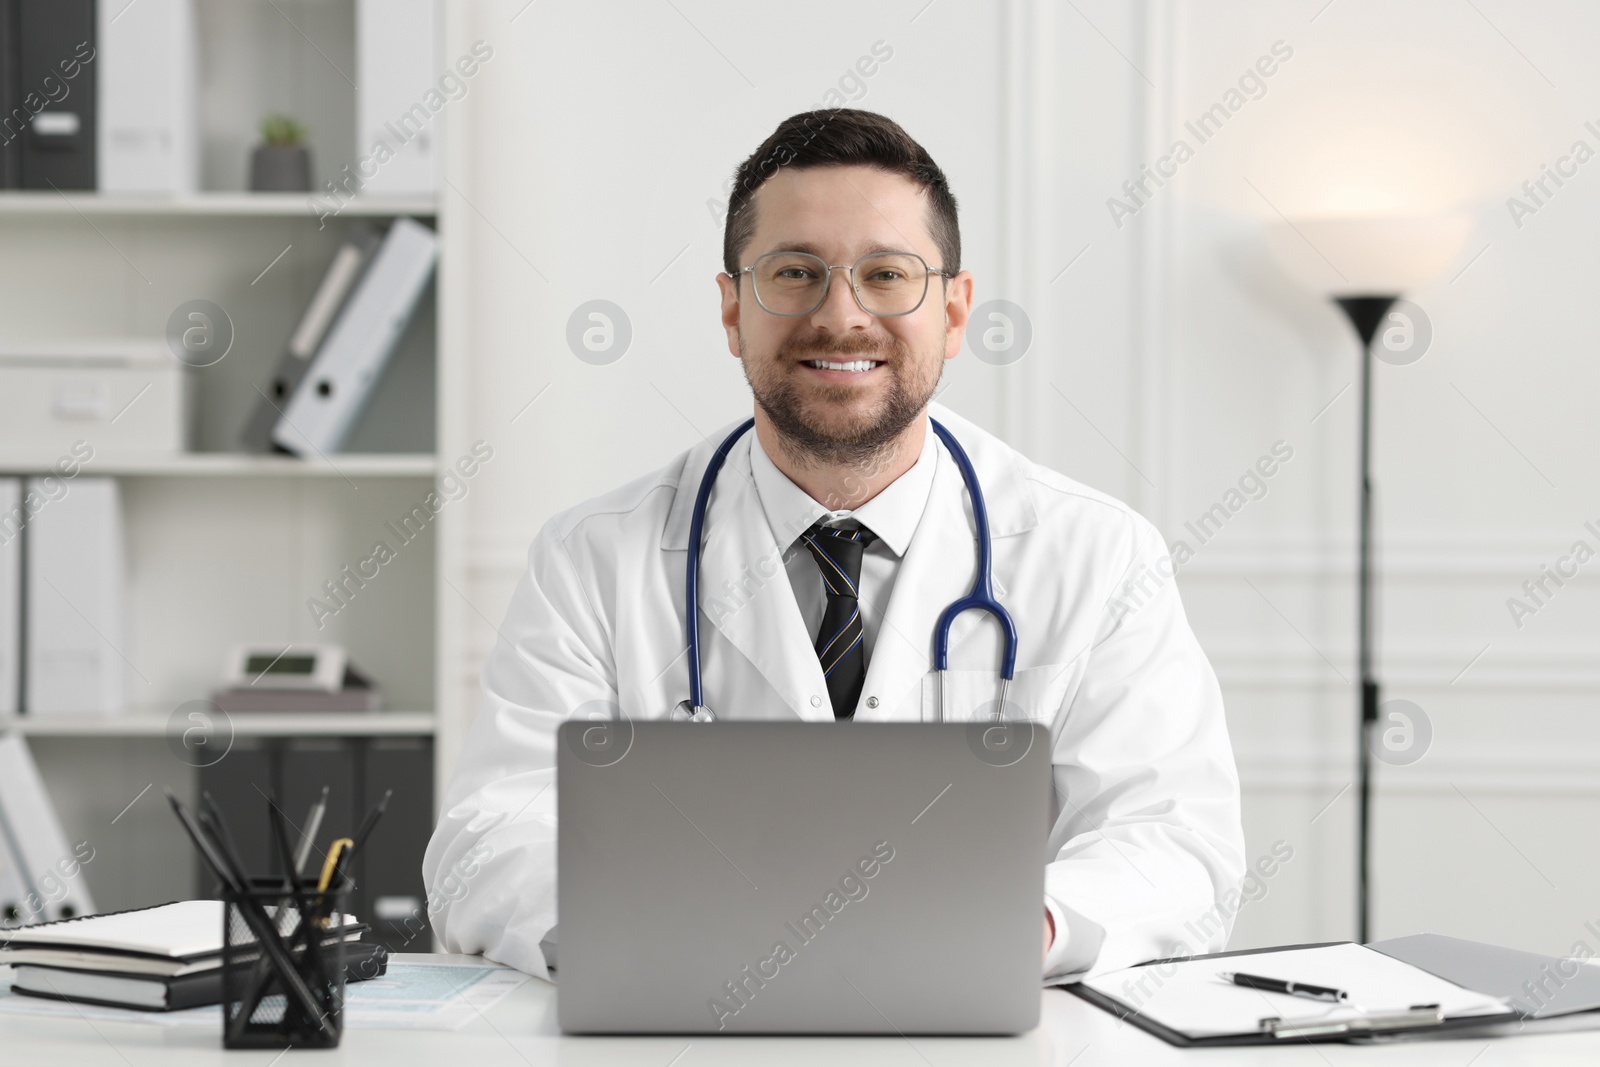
(981, 597)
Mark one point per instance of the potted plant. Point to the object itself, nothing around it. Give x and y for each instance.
(282, 162)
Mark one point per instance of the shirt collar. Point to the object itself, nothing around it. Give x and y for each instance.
(892, 515)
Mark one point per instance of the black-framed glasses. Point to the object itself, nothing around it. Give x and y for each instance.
(885, 284)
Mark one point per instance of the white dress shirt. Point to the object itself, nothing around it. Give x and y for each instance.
(892, 515)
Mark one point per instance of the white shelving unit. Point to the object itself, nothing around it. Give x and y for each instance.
(239, 465)
(225, 547)
(253, 724)
(260, 205)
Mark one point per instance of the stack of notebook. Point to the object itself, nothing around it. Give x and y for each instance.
(158, 959)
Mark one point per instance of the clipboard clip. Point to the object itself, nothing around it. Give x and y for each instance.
(1418, 1015)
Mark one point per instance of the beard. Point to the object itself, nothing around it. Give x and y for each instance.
(806, 434)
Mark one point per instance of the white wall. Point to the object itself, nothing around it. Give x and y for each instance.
(581, 167)
(1479, 460)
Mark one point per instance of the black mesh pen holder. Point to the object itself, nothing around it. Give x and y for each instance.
(283, 966)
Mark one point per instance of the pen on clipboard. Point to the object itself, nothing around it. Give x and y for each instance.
(1281, 985)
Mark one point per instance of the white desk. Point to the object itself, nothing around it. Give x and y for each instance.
(521, 1031)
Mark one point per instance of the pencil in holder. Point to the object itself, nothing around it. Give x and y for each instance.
(283, 965)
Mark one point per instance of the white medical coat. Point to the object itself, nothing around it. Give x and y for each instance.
(1146, 836)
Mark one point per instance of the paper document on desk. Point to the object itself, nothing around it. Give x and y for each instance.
(428, 996)
(1188, 996)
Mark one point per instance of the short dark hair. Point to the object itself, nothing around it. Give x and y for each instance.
(840, 137)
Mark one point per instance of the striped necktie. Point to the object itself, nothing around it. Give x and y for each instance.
(840, 641)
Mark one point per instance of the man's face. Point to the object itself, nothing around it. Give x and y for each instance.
(841, 214)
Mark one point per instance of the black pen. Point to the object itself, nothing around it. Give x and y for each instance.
(291, 876)
(208, 824)
(370, 821)
(280, 838)
(208, 849)
(1281, 985)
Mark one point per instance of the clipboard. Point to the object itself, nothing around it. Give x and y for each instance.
(1420, 1022)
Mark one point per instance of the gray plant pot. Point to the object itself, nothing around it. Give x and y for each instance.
(279, 169)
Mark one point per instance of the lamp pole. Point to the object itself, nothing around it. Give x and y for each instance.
(1366, 314)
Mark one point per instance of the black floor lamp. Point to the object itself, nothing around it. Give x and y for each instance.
(1366, 314)
(1363, 263)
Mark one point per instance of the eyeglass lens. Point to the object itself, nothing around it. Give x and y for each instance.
(795, 283)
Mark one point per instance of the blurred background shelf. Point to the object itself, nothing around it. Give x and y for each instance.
(252, 724)
(238, 464)
(267, 205)
(225, 547)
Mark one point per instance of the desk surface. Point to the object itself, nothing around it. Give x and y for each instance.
(521, 1031)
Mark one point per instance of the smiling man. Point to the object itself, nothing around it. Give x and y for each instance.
(836, 534)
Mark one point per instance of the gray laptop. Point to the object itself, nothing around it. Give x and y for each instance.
(850, 878)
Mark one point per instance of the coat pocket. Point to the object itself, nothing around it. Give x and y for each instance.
(1036, 694)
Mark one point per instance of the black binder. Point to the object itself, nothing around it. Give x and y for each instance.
(309, 763)
(389, 870)
(389, 893)
(11, 125)
(240, 783)
(48, 127)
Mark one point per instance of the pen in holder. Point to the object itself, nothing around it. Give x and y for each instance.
(283, 964)
(283, 956)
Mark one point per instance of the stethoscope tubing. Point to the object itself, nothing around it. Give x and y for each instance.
(980, 597)
(697, 522)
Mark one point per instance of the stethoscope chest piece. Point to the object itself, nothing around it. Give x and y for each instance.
(686, 712)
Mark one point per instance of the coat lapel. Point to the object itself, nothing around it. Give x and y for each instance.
(745, 594)
(940, 564)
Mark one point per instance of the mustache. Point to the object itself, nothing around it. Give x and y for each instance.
(852, 345)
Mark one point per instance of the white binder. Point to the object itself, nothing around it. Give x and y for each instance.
(47, 866)
(400, 102)
(75, 632)
(12, 518)
(342, 274)
(148, 139)
(13, 893)
(336, 387)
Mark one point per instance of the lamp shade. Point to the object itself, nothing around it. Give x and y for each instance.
(1346, 255)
